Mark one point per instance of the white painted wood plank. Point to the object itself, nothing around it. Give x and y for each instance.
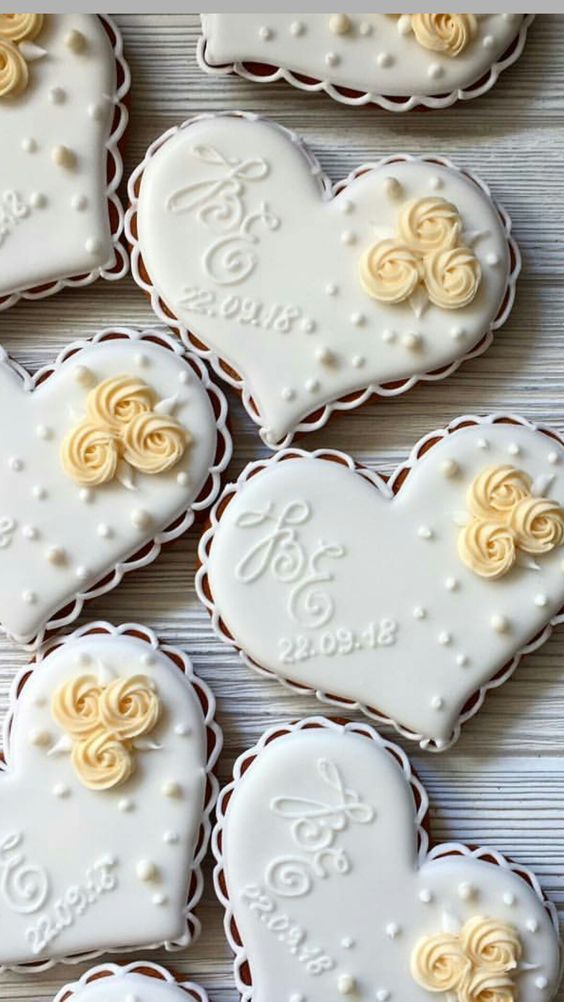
(503, 784)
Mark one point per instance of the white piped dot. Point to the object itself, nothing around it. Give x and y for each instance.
(382, 995)
(79, 203)
(183, 479)
(97, 111)
(532, 925)
(457, 333)
(392, 930)
(311, 385)
(437, 703)
(384, 59)
(171, 789)
(451, 584)
(37, 200)
(348, 238)
(297, 28)
(57, 95)
(404, 24)
(357, 361)
(125, 804)
(492, 259)
(339, 24)
(514, 449)
(509, 899)
(184, 377)
(296, 997)
(182, 730)
(43, 432)
(449, 468)
(424, 532)
(40, 739)
(552, 458)
(28, 145)
(86, 494)
(40, 493)
(435, 182)
(499, 623)
(171, 838)
(332, 59)
(84, 659)
(541, 982)
(307, 325)
(159, 899)
(83, 375)
(541, 600)
(148, 660)
(346, 984)
(389, 336)
(81, 573)
(462, 660)
(488, 41)
(62, 156)
(146, 870)
(92, 245)
(331, 289)
(265, 33)
(412, 341)
(425, 896)
(287, 393)
(466, 891)
(365, 28)
(16, 464)
(30, 532)
(61, 790)
(419, 612)
(56, 555)
(324, 355)
(140, 518)
(29, 597)
(141, 360)
(392, 187)
(104, 531)
(357, 319)
(483, 443)
(445, 639)
(435, 71)
(347, 942)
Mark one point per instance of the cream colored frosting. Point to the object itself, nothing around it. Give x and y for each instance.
(121, 424)
(389, 271)
(475, 963)
(487, 548)
(153, 443)
(90, 454)
(446, 33)
(103, 722)
(496, 491)
(430, 224)
(452, 277)
(538, 524)
(116, 401)
(16, 28)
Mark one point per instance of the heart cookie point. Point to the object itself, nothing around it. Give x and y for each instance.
(333, 815)
(136, 982)
(391, 243)
(406, 599)
(91, 742)
(101, 472)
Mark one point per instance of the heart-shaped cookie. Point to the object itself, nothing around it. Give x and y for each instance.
(306, 297)
(398, 61)
(105, 455)
(138, 982)
(330, 890)
(62, 117)
(105, 799)
(409, 598)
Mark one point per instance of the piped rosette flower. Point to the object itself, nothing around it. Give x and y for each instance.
(428, 261)
(477, 964)
(509, 521)
(17, 48)
(125, 429)
(448, 34)
(104, 723)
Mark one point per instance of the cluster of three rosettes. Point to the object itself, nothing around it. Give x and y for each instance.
(122, 425)
(17, 32)
(507, 518)
(103, 724)
(427, 257)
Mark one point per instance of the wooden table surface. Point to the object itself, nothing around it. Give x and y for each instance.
(503, 783)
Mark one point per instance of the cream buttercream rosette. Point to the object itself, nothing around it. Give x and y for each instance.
(14, 29)
(506, 518)
(475, 964)
(103, 723)
(428, 254)
(122, 424)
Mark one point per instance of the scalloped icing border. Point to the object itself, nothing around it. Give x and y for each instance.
(350, 97)
(214, 743)
(119, 266)
(317, 418)
(146, 968)
(150, 550)
(387, 487)
(241, 964)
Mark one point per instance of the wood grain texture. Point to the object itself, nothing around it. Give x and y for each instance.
(503, 784)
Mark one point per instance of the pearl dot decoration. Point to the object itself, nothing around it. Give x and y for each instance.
(62, 156)
(146, 870)
(346, 984)
(340, 24)
(75, 41)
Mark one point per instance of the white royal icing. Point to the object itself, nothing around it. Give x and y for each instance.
(58, 539)
(324, 869)
(139, 982)
(59, 215)
(325, 577)
(258, 260)
(90, 897)
(375, 58)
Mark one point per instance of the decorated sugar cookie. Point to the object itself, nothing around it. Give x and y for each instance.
(105, 798)
(330, 889)
(308, 297)
(398, 61)
(105, 456)
(407, 598)
(138, 982)
(63, 80)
